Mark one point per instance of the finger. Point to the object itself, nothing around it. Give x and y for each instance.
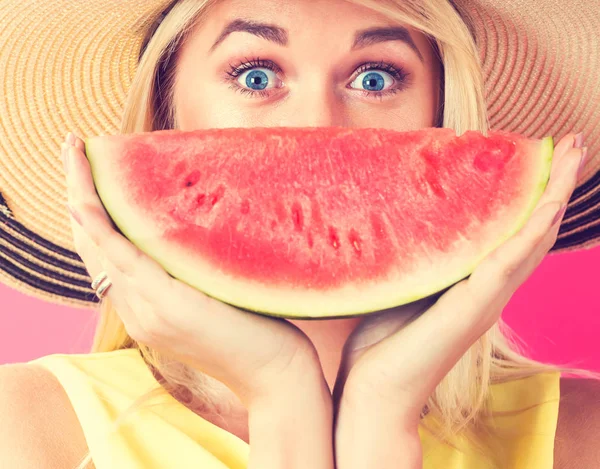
(131, 305)
(118, 250)
(564, 145)
(79, 143)
(565, 179)
(531, 263)
(81, 193)
(124, 297)
(137, 281)
(560, 150)
(81, 187)
(84, 199)
(83, 245)
(97, 241)
(495, 279)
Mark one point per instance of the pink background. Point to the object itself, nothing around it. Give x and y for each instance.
(556, 312)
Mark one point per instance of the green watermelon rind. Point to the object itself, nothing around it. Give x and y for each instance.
(96, 146)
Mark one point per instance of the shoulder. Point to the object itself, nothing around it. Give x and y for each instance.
(39, 427)
(578, 428)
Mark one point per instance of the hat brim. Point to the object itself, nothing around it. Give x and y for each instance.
(68, 66)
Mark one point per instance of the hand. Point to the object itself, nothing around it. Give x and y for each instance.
(255, 356)
(394, 360)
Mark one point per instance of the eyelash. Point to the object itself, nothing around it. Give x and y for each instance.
(398, 73)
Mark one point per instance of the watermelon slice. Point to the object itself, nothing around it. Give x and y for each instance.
(319, 222)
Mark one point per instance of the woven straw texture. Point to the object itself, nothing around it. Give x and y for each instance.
(68, 64)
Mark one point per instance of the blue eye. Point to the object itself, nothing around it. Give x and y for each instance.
(373, 81)
(257, 79)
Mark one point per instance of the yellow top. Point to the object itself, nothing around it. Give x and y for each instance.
(101, 385)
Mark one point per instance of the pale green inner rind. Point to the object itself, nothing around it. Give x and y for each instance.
(349, 301)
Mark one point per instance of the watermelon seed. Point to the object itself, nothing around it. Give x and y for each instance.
(192, 178)
(200, 199)
(297, 216)
(333, 237)
(355, 241)
(216, 196)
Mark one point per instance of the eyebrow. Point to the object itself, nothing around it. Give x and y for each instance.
(278, 35)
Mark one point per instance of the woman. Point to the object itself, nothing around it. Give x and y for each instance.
(224, 377)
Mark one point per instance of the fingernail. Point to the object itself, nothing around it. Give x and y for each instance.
(559, 214)
(582, 163)
(579, 140)
(74, 214)
(71, 138)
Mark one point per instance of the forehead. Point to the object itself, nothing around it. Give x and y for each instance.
(294, 15)
(302, 24)
(289, 7)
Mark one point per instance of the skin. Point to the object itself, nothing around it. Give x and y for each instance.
(377, 361)
(317, 69)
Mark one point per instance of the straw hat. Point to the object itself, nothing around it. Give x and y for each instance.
(67, 65)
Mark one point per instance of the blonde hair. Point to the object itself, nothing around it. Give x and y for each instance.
(460, 401)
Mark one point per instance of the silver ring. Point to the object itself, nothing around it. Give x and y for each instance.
(101, 284)
(99, 279)
(103, 289)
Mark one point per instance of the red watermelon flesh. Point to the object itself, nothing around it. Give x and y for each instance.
(319, 222)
